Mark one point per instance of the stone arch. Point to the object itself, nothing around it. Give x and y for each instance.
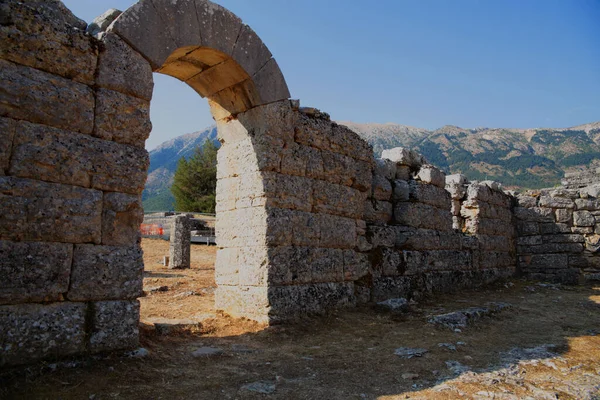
(207, 47)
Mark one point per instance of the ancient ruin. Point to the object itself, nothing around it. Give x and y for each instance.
(307, 218)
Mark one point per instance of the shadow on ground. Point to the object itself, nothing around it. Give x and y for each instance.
(545, 346)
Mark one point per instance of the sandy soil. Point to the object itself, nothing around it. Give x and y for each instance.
(544, 347)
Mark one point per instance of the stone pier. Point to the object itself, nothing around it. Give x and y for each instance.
(179, 248)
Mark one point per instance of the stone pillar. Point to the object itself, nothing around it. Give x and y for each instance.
(179, 250)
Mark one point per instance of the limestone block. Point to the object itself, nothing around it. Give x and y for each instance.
(122, 118)
(42, 38)
(389, 287)
(564, 238)
(556, 202)
(485, 226)
(227, 266)
(382, 188)
(179, 247)
(327, 265)
(144, 27)
(525, 200)
(362, 175)
(106, 273)
(338, 168)
(424, 216)
(286, 265)
(457, 179)
(313, 132)
(40, 211)
(587, 204)
(427, 239)
(286, 191)
(495, 243)
(114, 325)
(551, 248)
(270, 84)
(401, 191)
(583, 218)
(7, 133)
(582, 230)
(337, 200)
(469, 242)
(31, 332)
(457, 191)
(496, 259)
(476, 190)
(122, 69)
(294, 161)
(337, 232)
(34, 271)
(529, 240)
(432, 175)
(472, 208)
(545, 261)
(54, 155)
(564, 215)
(436, 260)
(244, 301)
(429, 194)
(37, 96)
(379, 212)
(382, 236)
(348, 142)
(457, 223)
(356, 265)
(534, 214)
(122, 215)
(237, 228)
(403, 172)
(388, 262)
(404, 156)
(385, 168)
(249, 51)
(290, 302)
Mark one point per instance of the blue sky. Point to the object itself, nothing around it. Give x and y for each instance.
(425, 63)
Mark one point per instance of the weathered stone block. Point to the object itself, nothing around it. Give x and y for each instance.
(426, 239)
(122, 215)
(122, 69)
(556, 202)
(564, 238)
(529, 240)
(356, 265)
(583, 218)
(385, 168)
(179, 247)
(429, 194)
(424, 216)
(388, 262)
(39, 38)
(106, 273)
(337, 232)
(337, 199)
(437, 260)
(403, 156)
(40, 211)
(587, 204)
(31, 332)
(7, 133)
(527, 201)
(37, 96)
(122, 118)
(382, 236)
(432, 175)
(390, 287)
(457, 191)
(378, 212)
(495, 243)
(382, 188)
(34, 271)
(114, 325)
(537, 214)
(286, 191)
(545, 261)
(401, 191)
(290, 302)
(403, 172)
(564, 215)
(457, 179)
(41, 152)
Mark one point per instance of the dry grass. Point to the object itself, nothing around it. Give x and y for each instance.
(345, 355)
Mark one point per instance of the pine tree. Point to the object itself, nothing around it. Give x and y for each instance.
(195, 181)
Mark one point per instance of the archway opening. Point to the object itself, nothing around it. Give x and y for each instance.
(182, 126)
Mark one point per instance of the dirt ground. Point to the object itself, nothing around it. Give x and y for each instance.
(544, 347)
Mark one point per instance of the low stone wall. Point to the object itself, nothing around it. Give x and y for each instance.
(559, 235)
(412, 238)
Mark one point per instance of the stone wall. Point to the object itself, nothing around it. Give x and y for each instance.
(290, 198)
(73, 122)
(559, 235)
(413, 242)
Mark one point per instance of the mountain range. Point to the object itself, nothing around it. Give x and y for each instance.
(518, 158)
